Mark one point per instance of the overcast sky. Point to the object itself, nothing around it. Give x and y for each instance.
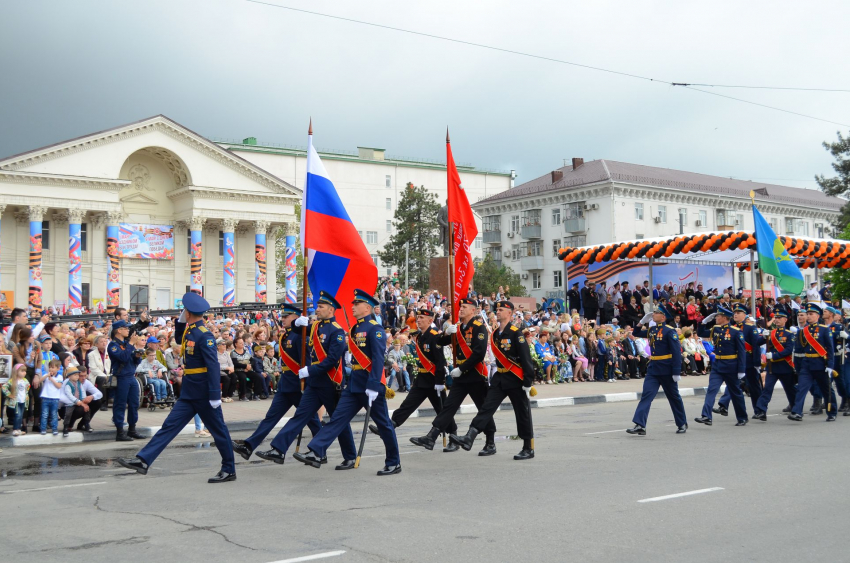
(233, 69)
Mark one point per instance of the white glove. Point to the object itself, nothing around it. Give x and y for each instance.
(451, 329)
(527, 392)
(182, 317)
(765, 332)
(769, 355)
(303, 373)
(439, 388)
(302, 321)
(372, 395)
(677, 378)
(455, 373)
(843, 334)
(794, 329)
(215, 404)
(709, 318)
(741, 375)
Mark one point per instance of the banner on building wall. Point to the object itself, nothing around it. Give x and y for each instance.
(113, 269)
(34, 299)
(97, 305)
(154, 242)
(196, 282)
(678, 274)
(75, 267)
(229, 270)
(291, 270)
(7, 299)
(260, 264)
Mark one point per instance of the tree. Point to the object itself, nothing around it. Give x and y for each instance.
(489, 276)
(414, 222)
(840, 185)
(840, 277)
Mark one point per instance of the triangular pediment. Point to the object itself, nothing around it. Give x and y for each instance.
(138, 198)
(193, 159)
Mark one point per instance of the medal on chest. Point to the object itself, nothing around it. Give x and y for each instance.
(505, 344)
(190, 347)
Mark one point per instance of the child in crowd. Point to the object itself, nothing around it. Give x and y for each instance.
(17, 393)
(50, 382)
(72, 396)
(272, 366)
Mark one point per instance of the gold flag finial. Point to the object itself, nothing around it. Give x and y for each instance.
(310, 129)
(753, 196)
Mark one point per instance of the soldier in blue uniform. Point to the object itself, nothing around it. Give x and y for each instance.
(831, 316)
(664, 370)
(753, 339)
(124, 357)
(780, 365)
(729, 360)
(322, 378)
(816, 367)
(367, 386)
(288, 393)
(200, 394)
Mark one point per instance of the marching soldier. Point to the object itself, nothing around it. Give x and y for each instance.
(831, 316)
(366, 389)
(753, 339)
(322, 378)
(816, 367)
(729, 359)
(288, 393)
(513, 379)
(469, 378)
(200, 394)
(664, 370)
(780, 365)
(430, 382)
(123, 354)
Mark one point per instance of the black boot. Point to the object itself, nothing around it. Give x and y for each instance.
(817, 407)
(526, 453)
(489, 447)
(428, 440)
(721, 410)
(121, 436)
(638, 430)
(242, 449)
(131, 432)
(787, 409)
(135, 464)
(466, 441)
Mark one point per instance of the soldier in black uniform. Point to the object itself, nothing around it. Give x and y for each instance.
(513, 378)
(430, 382)
(469, 378)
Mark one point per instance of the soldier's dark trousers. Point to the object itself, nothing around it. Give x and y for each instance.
(126, 398)
(416, 397)
(650, 390)
(788, 381)
(495, 395)
(471, 385)
(731, 380)
(753, 384)
(184, 411)
(281, 402)
(807, 379)
(313, 399)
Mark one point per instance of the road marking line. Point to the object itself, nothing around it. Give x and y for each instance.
(686, 494)
(381, 455)
(603, 432)
(312, 557)
(51, 488)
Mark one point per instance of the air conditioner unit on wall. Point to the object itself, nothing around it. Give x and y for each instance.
(591, 206)
(506, 254)
(658, 219)
(525, 276)
(510, 235)
(699, 223)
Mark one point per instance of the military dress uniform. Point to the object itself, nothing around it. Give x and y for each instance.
(753, 341)
(322, 379)
(816, 367)
(664, 370)
(200, 394)
(835, 331)
(728, 366)
(288, 393)
(780, 367)
(367, 343)
(125, 397)
(514, 375)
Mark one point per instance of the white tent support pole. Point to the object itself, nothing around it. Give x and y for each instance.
(651, 285)
(753, 283)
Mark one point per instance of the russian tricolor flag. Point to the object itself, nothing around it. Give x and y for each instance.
(337, 260)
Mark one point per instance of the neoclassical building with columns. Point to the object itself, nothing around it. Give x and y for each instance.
(137, 215)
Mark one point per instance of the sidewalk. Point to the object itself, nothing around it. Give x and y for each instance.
(247, 415)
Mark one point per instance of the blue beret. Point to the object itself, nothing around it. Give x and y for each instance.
(833, 310)
(289, 309)
(363, 297)
(813, 308)
(721, 310)
(740, 307)
(195, 304)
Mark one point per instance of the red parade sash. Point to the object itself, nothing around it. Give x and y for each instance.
(427, 364)
(780, 348)
(467, 353)
(360, 357)
(747, 346)
(813, 342)
(512, 367)
(334, 373)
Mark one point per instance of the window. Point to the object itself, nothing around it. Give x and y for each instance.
(683, 217)
(514, 252)
(389, 203)
(139, 297)
(638, 211)
(576, 241)
(662, 213)
(556, 246)
(556, 216)
(723, 219)
(558, 278)
(86, 291)
(371, 237)
(221, 243)
(45, 235)
(773, 224)
(535, 280)
(360, 234)
(531, 248)
(574, 211)
(389, 226)
(389, 180)
(514, 223)
(478, 243)
(389, 272)
(492, 223)
(84, 238)
(791, 226)
(531, 218)
(804, 227)
(739, 220)
(375, 259)
(818, 230)
(703, 218)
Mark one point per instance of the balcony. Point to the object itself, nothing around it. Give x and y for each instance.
(574, 225)
(530, 231)
(527, 263)
(492, 237)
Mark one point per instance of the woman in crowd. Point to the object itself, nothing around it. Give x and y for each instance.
(228, 379)
(242, 364)
(81, 352)
(693, 353)
(174, 363)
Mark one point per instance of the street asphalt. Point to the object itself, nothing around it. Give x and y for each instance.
(766, 492)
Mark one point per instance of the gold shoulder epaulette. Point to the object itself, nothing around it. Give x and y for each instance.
(514, 327)
(336, 324)
(434, 331)
(477, 323)
(203, 329)
(668, 326)
(373, 321)
(824, 326)
(734, 327)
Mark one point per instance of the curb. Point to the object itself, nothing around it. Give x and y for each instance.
(242, 425)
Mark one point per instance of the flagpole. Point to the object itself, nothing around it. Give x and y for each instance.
(753, 265)
(304, 278)
(451, 257)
